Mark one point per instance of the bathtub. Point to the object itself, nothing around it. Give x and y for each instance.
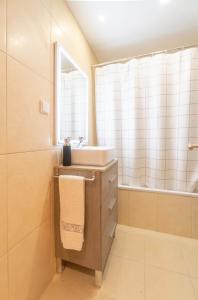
(160, 210)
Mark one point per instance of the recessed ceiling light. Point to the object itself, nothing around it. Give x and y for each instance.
(165, 1)
(101, 19)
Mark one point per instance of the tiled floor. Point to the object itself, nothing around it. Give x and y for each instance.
(143, 265)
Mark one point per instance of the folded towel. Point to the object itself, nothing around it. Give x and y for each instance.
(72, 211)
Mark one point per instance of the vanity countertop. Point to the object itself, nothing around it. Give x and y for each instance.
(89, 168)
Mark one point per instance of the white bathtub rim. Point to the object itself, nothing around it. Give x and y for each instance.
(159, 191)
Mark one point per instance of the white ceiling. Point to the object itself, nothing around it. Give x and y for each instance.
(136, 26)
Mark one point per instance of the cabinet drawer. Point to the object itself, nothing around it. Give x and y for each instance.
(108, 233)
(109, 204)
(109, 180)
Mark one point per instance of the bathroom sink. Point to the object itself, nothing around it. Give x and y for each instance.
(92, 155)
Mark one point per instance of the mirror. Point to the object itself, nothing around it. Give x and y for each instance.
(71, 97)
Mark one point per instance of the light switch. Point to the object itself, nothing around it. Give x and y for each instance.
(44, 107)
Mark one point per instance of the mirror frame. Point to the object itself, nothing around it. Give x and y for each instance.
(60, 50)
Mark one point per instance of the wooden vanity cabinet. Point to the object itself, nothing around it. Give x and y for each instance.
(100, 216)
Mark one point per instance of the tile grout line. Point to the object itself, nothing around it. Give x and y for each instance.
(170, 271)
(189, 276)
(53, 148)
(29, 68)
(157, 212)
(52, 79)
(188, 128)
(161, 268)
(144, 267)
(194, 291)
(129, 259)
(6, 107)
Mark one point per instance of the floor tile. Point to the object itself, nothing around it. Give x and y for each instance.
(190, 253)
(164, 285)
(128, 244)
(73, 284)
(104, 297)
(195, 286)
(163, 275)
(123, 279)
(164, 252)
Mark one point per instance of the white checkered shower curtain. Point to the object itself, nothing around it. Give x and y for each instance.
(148, 110)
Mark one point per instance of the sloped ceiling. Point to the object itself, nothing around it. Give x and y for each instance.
(136, 27)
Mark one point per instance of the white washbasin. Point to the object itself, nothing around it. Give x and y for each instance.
(92, 155)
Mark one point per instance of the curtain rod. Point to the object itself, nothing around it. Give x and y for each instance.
(143, 55)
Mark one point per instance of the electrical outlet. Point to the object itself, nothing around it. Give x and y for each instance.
(44, 107)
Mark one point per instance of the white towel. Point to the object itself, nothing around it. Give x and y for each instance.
(72, 211)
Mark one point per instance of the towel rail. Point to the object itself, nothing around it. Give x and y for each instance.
(86, 179)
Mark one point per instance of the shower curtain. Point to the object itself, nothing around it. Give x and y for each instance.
(147, 109)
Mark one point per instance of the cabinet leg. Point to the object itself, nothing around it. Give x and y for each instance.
(59, 265)
(98, 278)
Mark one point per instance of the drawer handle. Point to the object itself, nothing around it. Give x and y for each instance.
(112, 204)
(113, 231)
(111, 180)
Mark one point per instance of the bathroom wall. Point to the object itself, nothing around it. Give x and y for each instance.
(28, 29)
(164, 212)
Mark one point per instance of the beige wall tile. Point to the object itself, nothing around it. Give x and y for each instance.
(59, 10)
(30, 267)
(29, 187)
(66, 30)
(28, 34)
(174, 214)
(69, 37)
(3, 25)
(24, 120)
(195, 218)
(72, 35)
(30, 50)
(3, 205)
(2, 101)
(3, 278)
(123, 207)
(57, 35)
(47, 4)
(52, 115)
(143, 209)
(163, 212)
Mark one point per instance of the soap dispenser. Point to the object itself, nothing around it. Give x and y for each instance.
(67, 152)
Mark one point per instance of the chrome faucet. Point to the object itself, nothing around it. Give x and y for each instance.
(81, 140)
